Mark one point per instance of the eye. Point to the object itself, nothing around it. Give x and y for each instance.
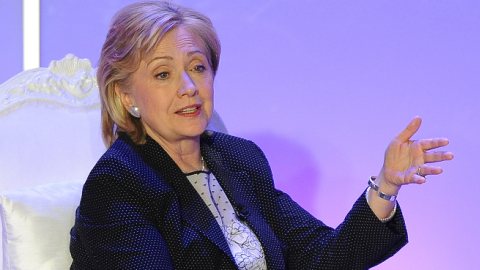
(199, 68)
(162, 75)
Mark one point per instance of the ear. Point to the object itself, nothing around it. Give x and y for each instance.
(126, 99)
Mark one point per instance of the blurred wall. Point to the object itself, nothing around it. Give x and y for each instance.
(322, 87)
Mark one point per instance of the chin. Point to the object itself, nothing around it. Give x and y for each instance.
(197, 130)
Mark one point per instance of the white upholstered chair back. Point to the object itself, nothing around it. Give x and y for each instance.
(49, 140)
(50, 124)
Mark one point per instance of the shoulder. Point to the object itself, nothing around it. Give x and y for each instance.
(237, 153)
(123, 175)
(117, 158)
(120, 164)
(230, 146)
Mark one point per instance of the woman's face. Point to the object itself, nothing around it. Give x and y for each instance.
(173, 88)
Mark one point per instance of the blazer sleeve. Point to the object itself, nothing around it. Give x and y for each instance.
(113, 228)
(361, 241)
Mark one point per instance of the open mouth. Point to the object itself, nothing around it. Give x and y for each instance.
(191, 110)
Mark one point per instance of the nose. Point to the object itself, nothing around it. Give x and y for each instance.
(187, 86)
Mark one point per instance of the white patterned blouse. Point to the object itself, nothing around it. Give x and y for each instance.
(244, 244)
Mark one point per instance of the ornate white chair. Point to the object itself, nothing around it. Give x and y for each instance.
(49, 140)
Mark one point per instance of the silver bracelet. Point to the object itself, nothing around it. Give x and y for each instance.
(392, 214)
(382, 195)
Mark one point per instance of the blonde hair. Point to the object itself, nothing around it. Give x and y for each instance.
(134, 31)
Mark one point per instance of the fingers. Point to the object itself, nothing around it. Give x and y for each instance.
(415, 178)
(430, 170)
(428, 144)
(437, 156)
(421, 173)
(411, 129)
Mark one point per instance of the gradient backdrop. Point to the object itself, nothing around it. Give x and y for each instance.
(322, 87)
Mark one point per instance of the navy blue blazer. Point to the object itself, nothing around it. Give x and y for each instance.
(139, 211)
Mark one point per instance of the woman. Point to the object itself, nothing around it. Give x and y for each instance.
(168, 194)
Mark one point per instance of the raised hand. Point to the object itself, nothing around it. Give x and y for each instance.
(408, 161)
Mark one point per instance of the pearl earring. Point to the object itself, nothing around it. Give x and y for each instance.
(134, 111)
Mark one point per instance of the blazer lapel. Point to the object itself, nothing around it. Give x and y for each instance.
(194, 209)
(237, 185)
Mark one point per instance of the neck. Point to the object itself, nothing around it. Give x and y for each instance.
(185, 153)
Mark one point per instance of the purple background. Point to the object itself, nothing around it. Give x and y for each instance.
(322, 87)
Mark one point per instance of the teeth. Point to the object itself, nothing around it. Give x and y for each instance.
(189, 110)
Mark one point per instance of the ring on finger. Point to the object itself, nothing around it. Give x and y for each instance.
(419, 171)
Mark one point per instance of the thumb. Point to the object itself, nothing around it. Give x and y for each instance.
(411, 129)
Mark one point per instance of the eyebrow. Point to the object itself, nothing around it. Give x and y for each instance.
(171, 58)
(196, 51)
(158, 58)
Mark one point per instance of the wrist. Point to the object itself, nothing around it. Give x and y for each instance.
(392, 197)
(386, 186)
(368, 195)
